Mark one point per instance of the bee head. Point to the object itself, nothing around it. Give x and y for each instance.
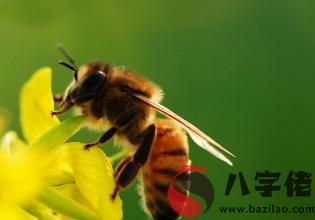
(87, 82)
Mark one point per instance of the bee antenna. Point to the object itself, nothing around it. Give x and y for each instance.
(61, 62)
(67, 55)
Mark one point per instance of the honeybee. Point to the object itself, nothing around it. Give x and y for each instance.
(123, 105)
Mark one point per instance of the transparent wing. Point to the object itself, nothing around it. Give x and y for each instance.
(197, 135)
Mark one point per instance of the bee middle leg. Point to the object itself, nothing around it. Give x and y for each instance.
(131, 167)
(122, 121)
(104, 138)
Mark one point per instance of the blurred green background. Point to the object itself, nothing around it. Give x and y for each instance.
(243, 71)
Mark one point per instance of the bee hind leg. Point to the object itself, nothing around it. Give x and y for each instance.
(131, 167)
(121, 165)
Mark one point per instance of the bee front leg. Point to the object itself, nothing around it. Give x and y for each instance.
(58, 98)
(131, 167)
(65, 106)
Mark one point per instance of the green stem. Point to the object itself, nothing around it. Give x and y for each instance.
(64, 205)
(118, 156)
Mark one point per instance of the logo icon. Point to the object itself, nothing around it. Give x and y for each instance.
(199, 185)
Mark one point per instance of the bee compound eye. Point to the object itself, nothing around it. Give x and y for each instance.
(94, 80)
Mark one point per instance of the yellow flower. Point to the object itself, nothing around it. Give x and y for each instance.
(45, 178)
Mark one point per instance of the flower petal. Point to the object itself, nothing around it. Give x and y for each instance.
(60, 171)
(36, 104)
(93, 175)
(11, 144)
(14, 213)
(19, 178)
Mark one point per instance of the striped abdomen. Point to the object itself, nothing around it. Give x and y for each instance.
(169, 154)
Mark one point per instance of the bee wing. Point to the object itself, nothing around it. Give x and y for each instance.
(197, 135)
